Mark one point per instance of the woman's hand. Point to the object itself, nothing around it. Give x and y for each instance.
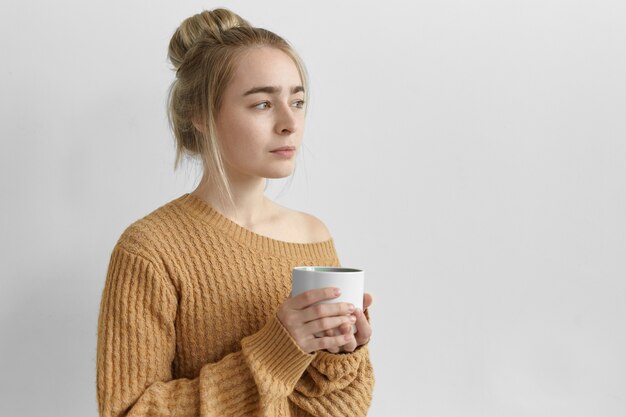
(363, 329)
(303, 318)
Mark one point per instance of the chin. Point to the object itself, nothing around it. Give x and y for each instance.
(277, 175)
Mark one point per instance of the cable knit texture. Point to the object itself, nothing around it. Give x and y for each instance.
(188, 326)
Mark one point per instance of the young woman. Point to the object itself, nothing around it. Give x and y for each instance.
(196, 317)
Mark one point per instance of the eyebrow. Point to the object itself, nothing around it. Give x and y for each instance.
(272, 90)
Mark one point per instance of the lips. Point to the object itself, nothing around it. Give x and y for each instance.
(285, 148)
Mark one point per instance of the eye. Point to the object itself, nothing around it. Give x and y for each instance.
(265, 105)
(300, 104)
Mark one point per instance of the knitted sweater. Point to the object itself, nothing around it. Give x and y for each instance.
(188, 327)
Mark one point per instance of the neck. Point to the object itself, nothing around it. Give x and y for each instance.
(251, 206)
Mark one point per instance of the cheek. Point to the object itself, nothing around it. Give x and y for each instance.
(231, 129)
(243, 133)
(241, 138)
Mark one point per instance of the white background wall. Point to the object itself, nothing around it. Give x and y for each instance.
(469, 155)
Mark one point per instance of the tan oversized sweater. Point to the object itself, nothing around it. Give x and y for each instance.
(188, 325)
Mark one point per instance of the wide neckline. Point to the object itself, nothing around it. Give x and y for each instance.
(203, 211)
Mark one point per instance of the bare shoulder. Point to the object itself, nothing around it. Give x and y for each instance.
(318, 231)
(298, 226)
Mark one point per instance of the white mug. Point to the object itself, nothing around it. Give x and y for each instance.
(350, 281)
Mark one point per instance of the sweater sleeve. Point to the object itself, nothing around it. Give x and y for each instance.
(335, 384)
(137, 343)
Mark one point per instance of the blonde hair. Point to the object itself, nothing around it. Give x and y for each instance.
(204, 51)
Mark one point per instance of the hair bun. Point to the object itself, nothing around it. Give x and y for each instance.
(207, 24)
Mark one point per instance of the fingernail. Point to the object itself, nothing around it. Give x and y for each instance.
(337, 291)
(352, 319)
(350, 308)
(358, 312)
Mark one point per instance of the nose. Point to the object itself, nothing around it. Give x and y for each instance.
(286, 120)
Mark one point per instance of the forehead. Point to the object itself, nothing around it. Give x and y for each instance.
(265, 66)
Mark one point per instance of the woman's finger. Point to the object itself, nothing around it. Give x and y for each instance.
(367, 300)
(310, 297)
(363, 328)
(320, 310)
(346, 329)
(332, 333)
(327, 324)
(331, 344)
